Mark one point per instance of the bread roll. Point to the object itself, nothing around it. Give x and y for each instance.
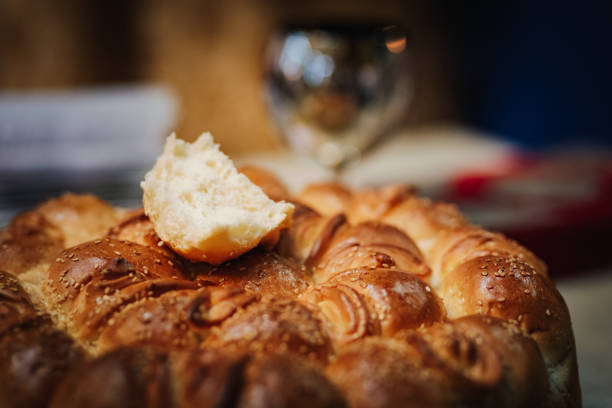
(371, 298)
(203, 208)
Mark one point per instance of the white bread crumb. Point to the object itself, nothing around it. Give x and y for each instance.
(202, 207)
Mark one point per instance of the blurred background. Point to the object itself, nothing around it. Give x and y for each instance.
(501, 107)
(532, 72)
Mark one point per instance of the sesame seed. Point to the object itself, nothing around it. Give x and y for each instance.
(502, 299)
(548, 313)
(483, 273)
(117, 253)
(427, 288)
(526, 291)
(157, 261)
(170, 263)
(160, 243)
(98, 241)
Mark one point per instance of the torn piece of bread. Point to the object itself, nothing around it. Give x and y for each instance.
(203, 208)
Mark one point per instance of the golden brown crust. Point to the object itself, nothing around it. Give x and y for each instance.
(258, 272)
(483, 353)
(15, 306)
(215, 257)
(34, 356)
(473, 361)
(124, 378)
(342, 310)
(376, 372)
(267, 181)
(460, 245)
(80, 217)
(32, 240)
(274, 326)
(118, 293)
(474, 271)
(278, 381)
(209, 378)
(361, 302)
(326, 198)
(370, 245)
(163, 321)
(87, 284)
(137, 228)
(515, 292)
(145, 377)
(29, 240)
(395, 299)
(306, 229)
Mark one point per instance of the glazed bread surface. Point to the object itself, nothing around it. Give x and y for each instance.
(371, 298)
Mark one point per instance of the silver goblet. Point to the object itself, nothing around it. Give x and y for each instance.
(335, 89)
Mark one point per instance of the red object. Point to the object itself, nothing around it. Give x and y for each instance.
(558, 206)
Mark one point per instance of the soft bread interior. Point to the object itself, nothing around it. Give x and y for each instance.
(202, 207)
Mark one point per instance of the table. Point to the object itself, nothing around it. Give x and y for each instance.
(589, 299)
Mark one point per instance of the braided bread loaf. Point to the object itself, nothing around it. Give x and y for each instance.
(373, 298)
